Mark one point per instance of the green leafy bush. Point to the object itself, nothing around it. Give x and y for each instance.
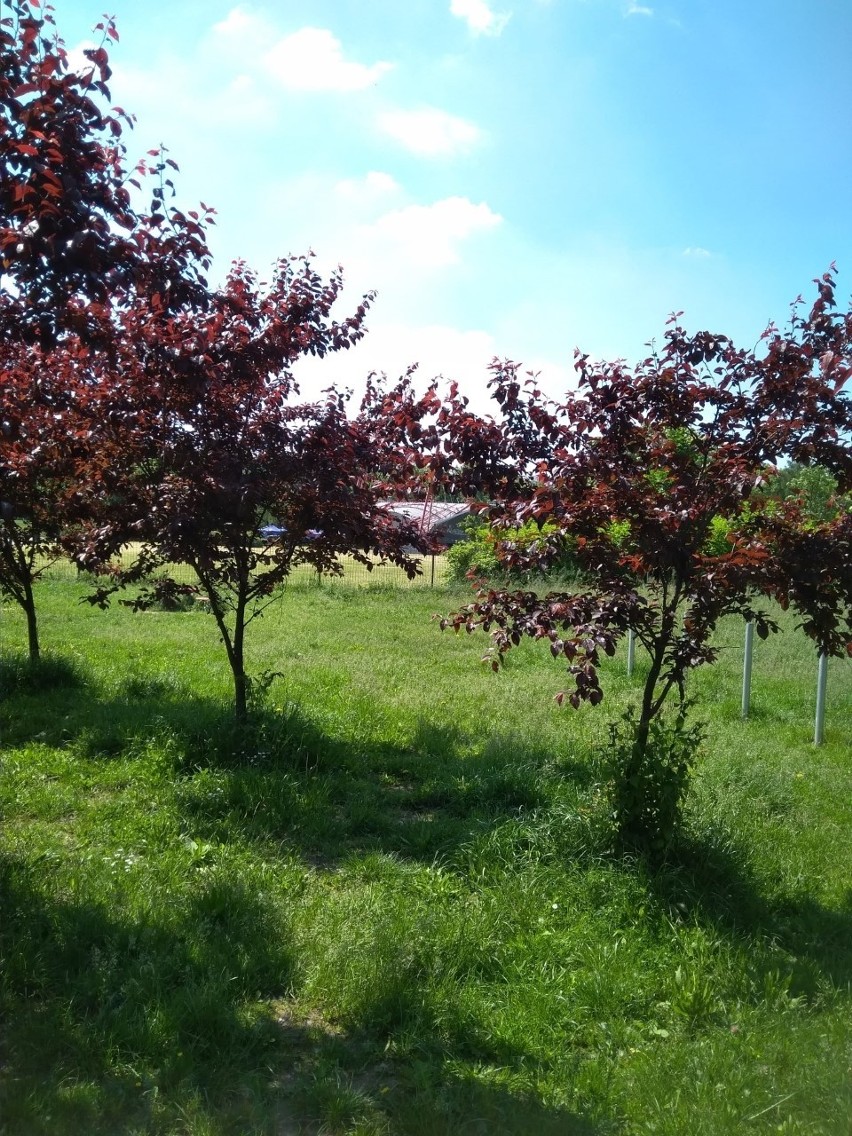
(719, 541)
(816, 489)
(480, 555)
(475, 556)
(649, 779)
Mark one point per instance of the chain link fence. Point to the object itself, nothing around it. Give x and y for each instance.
(433, 573)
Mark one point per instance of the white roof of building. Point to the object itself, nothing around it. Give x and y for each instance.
(438, 513)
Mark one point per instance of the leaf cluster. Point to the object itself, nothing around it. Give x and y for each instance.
(72, 233)
(654, 475)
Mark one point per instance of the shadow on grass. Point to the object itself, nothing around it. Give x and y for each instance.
(435, 1074)
(712, 884)
(482, 1110)
(115, 1023)
(118, 1021)
(280, 778)
(54, 701)
(107, 1017)
(344, 1083)
(21, 675)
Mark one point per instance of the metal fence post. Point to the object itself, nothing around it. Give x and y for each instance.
(822, 676)
(631, 651)
(749, 650)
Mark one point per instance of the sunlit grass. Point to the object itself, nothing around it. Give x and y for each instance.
(386, 907)
(433, 571)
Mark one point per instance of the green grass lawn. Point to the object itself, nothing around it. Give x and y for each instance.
(386, 907)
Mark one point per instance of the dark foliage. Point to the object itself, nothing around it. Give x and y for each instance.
(638, 472)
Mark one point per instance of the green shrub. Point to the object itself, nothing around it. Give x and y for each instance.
(480, 555)
(719, 542)
(648, 783)
(476, 555)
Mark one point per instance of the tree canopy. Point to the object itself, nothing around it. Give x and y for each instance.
(219, 443)
(653, 478)
(73, 233)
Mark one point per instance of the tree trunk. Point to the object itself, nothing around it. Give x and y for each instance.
(632, 808)
(234, 649)
(233, 641)
(32, 622)
(238, 662)
(647, 712)
(240, 694)
(653, 779)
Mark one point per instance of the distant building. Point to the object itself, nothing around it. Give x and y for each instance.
(440, 519)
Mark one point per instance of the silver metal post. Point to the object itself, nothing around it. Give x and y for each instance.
(747, 656)
(822, 676)
(631, 651)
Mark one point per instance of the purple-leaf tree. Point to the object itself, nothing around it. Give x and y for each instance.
(72, 232)
(229, 471)
(51, 477)
(76, 248)
(651, 477)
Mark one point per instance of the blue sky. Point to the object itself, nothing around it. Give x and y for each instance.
(514, 177)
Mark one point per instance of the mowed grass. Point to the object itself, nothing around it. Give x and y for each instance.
(386, 907)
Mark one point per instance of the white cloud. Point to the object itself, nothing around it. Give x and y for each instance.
(696, 252)
(421, 257)
(312, 59)
(428, 236)
(634, 9)
(374, 187)
(392, 347)
(453, 353)
(77, 61)
(430, 132)
(479, 17)
(239, 25)
(243, 103)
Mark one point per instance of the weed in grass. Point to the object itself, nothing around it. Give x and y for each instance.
(694, 997)
(649, 782)
(145, 688)
(336, 1104)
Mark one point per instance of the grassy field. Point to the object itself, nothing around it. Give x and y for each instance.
(386, 908)
(434, 570)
